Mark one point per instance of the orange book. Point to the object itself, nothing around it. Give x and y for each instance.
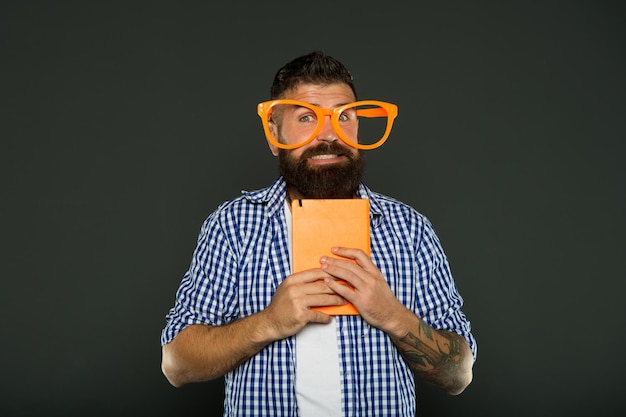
(320, 224)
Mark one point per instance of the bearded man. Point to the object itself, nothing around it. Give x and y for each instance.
(241, 312)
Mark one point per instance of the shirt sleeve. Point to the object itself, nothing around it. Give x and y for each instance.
(443, 302)
(207, 293)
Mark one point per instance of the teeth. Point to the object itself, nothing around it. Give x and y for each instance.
(330, 156)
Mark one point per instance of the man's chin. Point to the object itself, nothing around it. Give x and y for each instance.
(328, 183)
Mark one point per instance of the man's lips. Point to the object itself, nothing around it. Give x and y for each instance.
(326, 159)
(330, 154)
(325, 156)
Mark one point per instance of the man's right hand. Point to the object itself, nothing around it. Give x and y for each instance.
(290, 308)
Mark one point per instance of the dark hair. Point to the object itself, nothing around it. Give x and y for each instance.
(313, 68)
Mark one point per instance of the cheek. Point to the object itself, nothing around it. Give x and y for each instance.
(289, 136)
(295, 154)
(351, 132)
(292, 133)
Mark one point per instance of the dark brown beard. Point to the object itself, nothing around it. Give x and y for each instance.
(333, 181)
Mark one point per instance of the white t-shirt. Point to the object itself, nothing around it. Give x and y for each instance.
(318, 379)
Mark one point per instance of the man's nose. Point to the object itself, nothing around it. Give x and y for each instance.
(327, 133)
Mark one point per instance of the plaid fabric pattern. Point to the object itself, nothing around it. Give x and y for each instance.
(241, 258)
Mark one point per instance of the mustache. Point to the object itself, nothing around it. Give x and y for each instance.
(326, 148)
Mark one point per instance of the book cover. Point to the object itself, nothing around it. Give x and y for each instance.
(320, 224)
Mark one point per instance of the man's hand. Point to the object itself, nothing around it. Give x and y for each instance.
(370, 295)
(290, 309)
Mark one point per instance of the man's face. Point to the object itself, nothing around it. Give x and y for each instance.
(325, 167)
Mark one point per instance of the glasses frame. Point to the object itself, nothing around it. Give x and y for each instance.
(388, 110)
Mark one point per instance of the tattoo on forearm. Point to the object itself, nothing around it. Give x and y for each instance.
(425, 356)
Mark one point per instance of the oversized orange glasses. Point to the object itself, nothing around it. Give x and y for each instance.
(362, 124)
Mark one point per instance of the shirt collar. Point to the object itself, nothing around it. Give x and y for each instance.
(273, 196)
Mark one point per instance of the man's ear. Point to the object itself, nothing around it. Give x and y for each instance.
(274, 131)
(273, 149)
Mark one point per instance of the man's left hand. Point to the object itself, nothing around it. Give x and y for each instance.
(370, 295)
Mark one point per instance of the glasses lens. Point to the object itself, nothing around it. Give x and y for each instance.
(364, 123)
(295, 123)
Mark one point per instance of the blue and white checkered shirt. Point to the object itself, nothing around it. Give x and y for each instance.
(242, 257)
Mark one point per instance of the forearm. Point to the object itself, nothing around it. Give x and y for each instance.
(440, 357)
(201, 353)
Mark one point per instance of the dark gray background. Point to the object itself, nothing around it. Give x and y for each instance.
(124, 124)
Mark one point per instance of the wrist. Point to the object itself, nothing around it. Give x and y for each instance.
(263, 330)
(401, 323)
